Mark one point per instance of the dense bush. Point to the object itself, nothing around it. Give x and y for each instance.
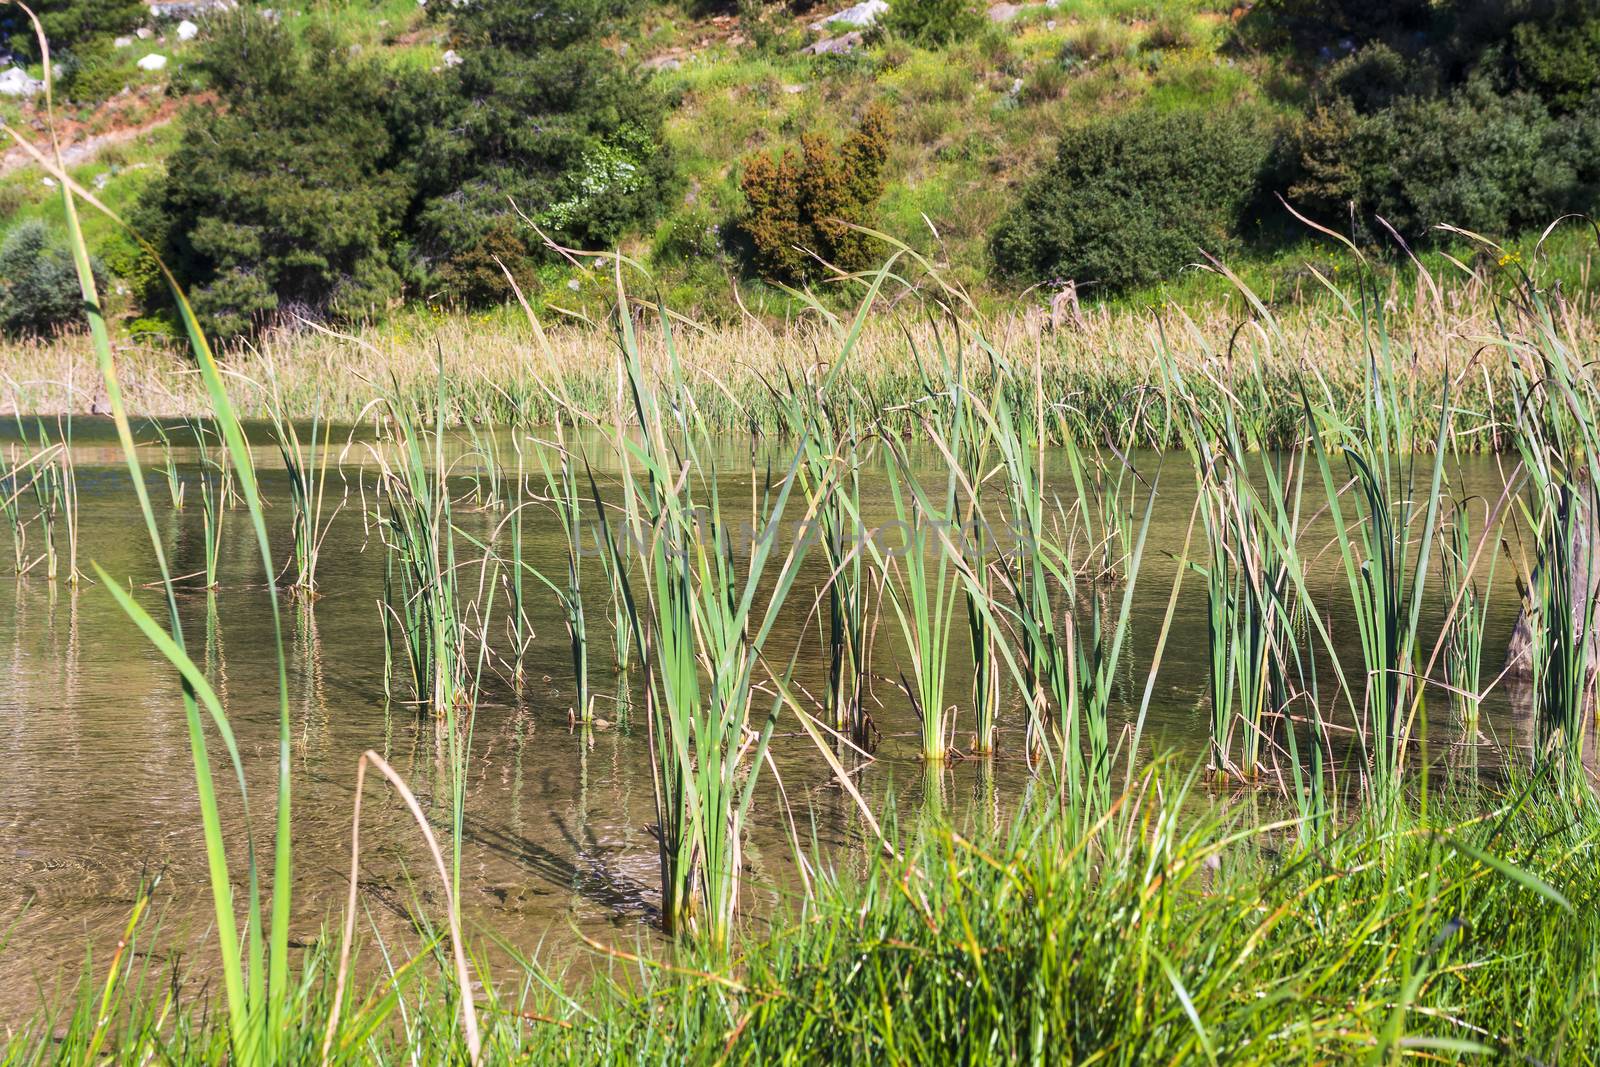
(810, 202)
(1487, 122)
(69, 25)
(1131, 199)
(1478, 158)
(1557, 55)
(289, 196)
(1325, 24)
(540, 119)
(39, 290)
(324, 184)
(934, 22)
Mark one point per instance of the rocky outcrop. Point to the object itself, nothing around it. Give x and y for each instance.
(176, 10)
(16, 82)
(835, 46)
(862, 15)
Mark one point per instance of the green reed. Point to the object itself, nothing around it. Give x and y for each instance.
(216, 491)
(1384, 496)
(1466, 625)
(12, 484)
(1559, 442)
(488, 470)
(305, 461)
(420, 569)
(564, 497)
(519, 627)
(702, 631)
(255, 962)
(424, 603)
(835, 450)
(972, 457)
(1249, 603)
(922, 592)
(170, 475)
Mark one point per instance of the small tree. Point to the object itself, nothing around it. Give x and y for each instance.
(541, 120)
(811, 202)
(39, 291)
(291, 192)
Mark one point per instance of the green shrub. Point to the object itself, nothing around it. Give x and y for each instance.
(934, 23)
(688, 237)
(1316, 23)
(810, 202)
(68, 24)
(290, 195)
(1329, 174)
(1480, 158)
(1131, 199)
(1558, 56)
(1376, 76)
(39, 291)
(540, 118)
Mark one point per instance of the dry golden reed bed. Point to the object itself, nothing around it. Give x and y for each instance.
(499, 369)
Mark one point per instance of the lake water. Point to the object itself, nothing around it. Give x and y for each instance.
(97, 792)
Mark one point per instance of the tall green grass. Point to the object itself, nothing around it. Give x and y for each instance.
(305, 461)
(701, 616)
(564, 496)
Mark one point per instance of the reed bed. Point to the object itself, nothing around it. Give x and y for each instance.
(497, 374)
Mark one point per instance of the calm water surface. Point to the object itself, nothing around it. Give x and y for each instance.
(96, 786)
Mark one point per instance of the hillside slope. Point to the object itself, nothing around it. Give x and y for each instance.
(972, 122)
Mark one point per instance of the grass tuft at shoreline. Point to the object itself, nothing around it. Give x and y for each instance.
(1173, 928)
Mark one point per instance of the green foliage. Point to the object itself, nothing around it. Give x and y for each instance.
(539, 120)
(39, 293)
(1316, 24)
(90, 73)
(934, 23)
(290, 195)
(1131, 199)
(69, 25)
(811, 202)
(1559, 56)
(1479, 158)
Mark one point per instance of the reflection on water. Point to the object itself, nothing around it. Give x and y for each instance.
(97, 794)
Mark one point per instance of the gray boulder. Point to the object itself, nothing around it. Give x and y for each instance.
(863, 14)
(835, 46)
(16, 82)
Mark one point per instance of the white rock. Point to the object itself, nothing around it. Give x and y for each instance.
(451, 58)
(187, 31)
(834, 46)
(153, 61)
(123, 42)
(48, 183)
(863, 14)
(15, 82)
(144, 33)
